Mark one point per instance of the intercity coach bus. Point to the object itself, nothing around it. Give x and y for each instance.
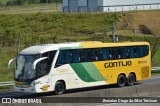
(59, 67)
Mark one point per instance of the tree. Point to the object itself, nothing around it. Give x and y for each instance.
(16, 2)
(154, 43)
(155, 46)
(2, 3)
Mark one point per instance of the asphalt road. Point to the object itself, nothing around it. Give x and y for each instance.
(154, 79)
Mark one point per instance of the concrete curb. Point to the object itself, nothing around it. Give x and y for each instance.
(147, 90)
(134, 91)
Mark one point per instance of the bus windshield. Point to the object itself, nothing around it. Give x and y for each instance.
(23, 69)
(24, 63)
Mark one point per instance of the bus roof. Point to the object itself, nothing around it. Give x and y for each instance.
(39, 49)
(100, 44)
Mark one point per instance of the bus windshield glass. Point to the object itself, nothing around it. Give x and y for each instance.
(23, 69)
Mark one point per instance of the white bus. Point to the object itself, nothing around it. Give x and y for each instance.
(58, 67)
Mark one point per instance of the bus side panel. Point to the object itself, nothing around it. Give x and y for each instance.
(106, 73)
(78, 75)
(144, 68)
(138, 75)
(58, 77)
(89, 74)
(117, 72)
(132, 70)
(64, 73)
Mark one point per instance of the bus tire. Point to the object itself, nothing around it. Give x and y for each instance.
(121, 81)
(59, 88)
(131, 80)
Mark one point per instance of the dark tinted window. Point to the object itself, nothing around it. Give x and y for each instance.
(101, 54)
(121, 53)
(46, 64)
(50, 56)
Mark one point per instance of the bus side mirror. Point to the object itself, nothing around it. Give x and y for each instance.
(10, 61)
(37, 61)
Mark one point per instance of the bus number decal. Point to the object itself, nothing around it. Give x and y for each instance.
(142, 62)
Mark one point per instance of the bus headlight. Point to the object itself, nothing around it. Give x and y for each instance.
(34, 83)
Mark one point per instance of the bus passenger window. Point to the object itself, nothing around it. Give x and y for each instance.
(110, 54)
(76, 58)
(50, 56)
(81, 56)
(120, 53)
(136, 52)
(90, 56)
(98, 55)
(128, 53)
(105, 54)
(145, 50)
(71, 56)
(63, 58)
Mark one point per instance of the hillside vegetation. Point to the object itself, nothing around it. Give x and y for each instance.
(24, 2)
(148, 20)
(38, 28)
(56, 24)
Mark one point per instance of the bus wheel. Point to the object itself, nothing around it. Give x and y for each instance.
(59, 88)
(121, 81)
(131, 80)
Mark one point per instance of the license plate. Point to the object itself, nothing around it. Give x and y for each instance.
(22, 90)
(18, 83)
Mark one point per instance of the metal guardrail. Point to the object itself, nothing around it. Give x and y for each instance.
(113, 8)
(6, 83)
(155, 68)
(12, 82)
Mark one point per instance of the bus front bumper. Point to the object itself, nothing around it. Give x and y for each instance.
(31, 89)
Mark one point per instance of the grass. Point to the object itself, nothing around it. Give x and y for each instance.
(29, 8)
(56, 23)
(6, 88)
(155, 72)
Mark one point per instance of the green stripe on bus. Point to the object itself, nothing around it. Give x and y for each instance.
(81, 72)
(93, 72)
